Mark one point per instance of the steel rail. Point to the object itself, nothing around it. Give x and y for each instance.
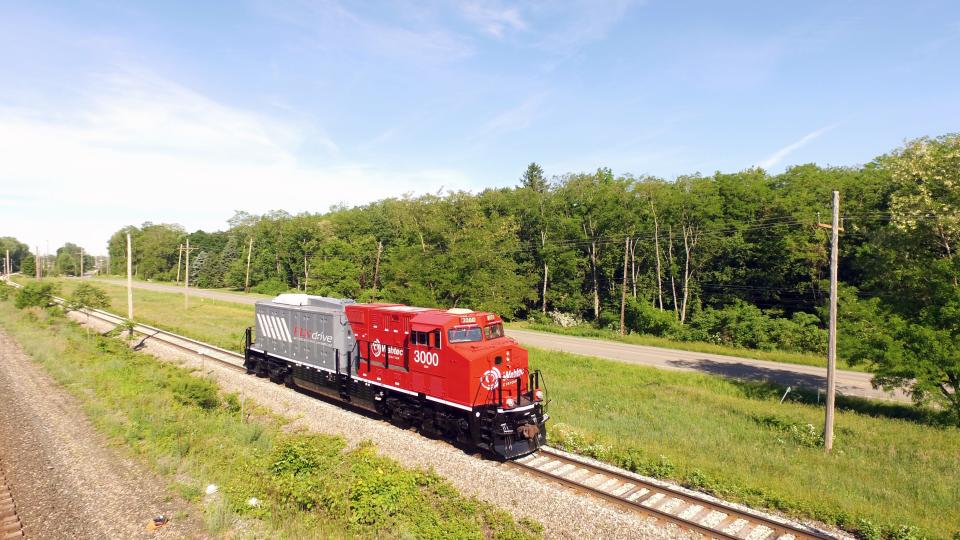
(680, 507)
(184, 343)
(10, 525)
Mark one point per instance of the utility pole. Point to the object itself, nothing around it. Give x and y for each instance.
(376, 268)
(36, 259)
(186, 277)
(81, 262)
(623, 289)
(179, 260)
(832, 346)
(246, 280)
(7, 266)
(129, 278)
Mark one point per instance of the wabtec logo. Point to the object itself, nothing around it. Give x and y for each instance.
(303, 333)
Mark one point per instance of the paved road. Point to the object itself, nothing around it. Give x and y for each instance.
(851, 383)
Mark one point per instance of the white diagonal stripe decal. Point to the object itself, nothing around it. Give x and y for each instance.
(281, 327)
(261, 331)
(263, 326)
(266, 327)
(273, 327)
(286, 331)
(278, 324)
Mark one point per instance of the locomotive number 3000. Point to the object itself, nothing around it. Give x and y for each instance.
(426, 358)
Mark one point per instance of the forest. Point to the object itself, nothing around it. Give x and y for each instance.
(728, 258)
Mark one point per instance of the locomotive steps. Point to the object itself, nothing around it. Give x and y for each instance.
(738, 522)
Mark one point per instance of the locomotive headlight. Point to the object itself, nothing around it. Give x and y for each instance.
(511, 403)
(538, 394)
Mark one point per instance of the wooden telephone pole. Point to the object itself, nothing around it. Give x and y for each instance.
(623, 289)
(179, 260)
(36, 259)
(832, 346)
(81, 262)
(246, 280)
(129, 278)
(186, 276)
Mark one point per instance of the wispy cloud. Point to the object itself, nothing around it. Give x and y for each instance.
(778, 156)
(141, 146)
(574, 24)
(330, 25)
(515, 118)
(493, 18)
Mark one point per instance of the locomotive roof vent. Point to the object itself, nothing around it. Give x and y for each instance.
(459, 311)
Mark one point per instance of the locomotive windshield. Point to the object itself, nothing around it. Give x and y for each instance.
(493, 331)
(464, 335)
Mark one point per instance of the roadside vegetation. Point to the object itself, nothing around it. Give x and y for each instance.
(587, 330)
(894, 471)
(212, 321)
(273, 482)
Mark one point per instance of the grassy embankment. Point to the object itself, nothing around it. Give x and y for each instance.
(892, 464)
(117, 293)
(107, 279)
(181, 425)
(693, 346)
(216, 322)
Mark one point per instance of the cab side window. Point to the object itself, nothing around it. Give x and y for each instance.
(426, 339)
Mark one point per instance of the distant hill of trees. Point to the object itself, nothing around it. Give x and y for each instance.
(729, 258)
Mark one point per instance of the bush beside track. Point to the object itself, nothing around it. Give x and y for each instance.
(894, 467)
(193, 435)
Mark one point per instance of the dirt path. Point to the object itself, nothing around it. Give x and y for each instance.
(66, 480)
(850, 383)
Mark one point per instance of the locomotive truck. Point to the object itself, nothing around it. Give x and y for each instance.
(452, 373)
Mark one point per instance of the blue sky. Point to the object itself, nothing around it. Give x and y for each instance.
(300, 105)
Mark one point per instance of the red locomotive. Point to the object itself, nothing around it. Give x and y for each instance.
(448, 372)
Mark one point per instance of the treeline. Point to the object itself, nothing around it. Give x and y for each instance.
(728, 258)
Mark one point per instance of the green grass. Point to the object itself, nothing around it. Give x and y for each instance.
(309, 485)
(103, 279)
(737, 440)
(213, 321)
(892, 464)
(693, 346)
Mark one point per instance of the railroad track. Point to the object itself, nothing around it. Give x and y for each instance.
(229, 358)
(10, 526)
(690, 510)
(687, 509)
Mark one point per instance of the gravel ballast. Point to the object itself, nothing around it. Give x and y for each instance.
(564, 513)
(65, 478)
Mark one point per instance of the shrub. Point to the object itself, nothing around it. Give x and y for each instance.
(744, 325)
(565, 320)
(5, 290)
(199, 392)
(86, 295)
(643, 318)
(36, 295)
(270, 286)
